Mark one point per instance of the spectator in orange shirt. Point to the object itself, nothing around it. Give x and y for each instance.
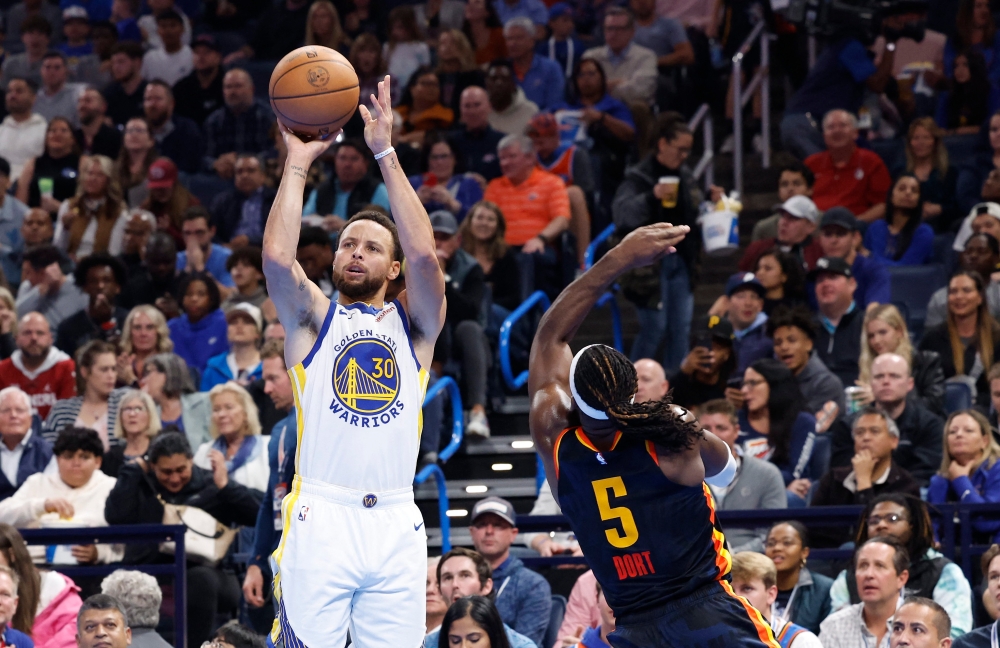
(534, 203)
(848, 176)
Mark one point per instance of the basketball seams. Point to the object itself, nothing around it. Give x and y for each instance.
(306, 90)
(275, 83)
(319, 94)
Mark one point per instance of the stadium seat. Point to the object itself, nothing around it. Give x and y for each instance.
(957, 396)
(913, 286)
(555, 620)
(206, 187)
(943, 252)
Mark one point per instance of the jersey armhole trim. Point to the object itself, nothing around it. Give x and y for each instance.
(322, 334)
(651, 449)
(405, 319)
(555, 450)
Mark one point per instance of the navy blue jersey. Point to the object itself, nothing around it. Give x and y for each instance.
(649, 540)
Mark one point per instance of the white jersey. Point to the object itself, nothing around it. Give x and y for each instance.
(358, 395)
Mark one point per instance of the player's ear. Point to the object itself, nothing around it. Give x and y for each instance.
(394, 268)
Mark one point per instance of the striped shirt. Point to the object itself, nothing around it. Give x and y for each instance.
(529, 207)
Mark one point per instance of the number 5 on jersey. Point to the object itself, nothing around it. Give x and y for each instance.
(621, 513)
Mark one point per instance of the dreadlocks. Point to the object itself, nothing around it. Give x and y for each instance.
(606, 380)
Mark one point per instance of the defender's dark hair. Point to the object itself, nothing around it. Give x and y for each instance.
(97, 260)
(384, 221)
(169, 444)
(797, 316)
(73, 439)
(606, 380)
(214, 298)
(483, 613)
(101, 602)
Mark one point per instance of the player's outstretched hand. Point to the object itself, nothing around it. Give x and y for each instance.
(297, 149)
(649, 244)
(378, 118)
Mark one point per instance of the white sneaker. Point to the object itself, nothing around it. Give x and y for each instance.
(477, 426)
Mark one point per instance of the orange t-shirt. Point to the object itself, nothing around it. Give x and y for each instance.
(530, 206)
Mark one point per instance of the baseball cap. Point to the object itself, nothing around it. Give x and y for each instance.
(206, 40)
(162, 174)
(544, 124)
(742, 280)
(991, 208)
(246, 309)
(801, 207)
(442, 221)
(560, 9)
(75, 12)
(715, 326)
(840, 217)
(832, 265)
(497, 506)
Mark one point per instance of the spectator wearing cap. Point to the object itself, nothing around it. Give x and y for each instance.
(245, 266)
(239, 214)
(31, 10)
(199, 94)
(101, 277)
(76, 29)
(983, 217)
(126, 92)
(840, 236)
(475, 139)
(795, 179)
(463, 338)
(240, 126)
(570, 163)
(49, 291)
(798, 221)
(22, 132)
(901, 237)
(665, 36)
(746, 315)
(847, 175)
(245, 326)
(562, 45)
(630, 67)
(94, 136)
(168, 200)
(838, 339)
(200, 253)
(981, 254)
(150, 23)
(172, 59)
(524, 598)
(510, 108)
(177, 138)
(36, 35)
(541, 79)
(705, 370)
(57, 97)
(348, 190)
(793, 332)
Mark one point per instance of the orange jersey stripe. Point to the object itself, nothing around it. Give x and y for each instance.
(723, 559)
(764, 632)
(555, 450)
(651, 449)
(582, 438)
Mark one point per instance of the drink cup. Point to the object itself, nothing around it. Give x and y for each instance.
(673, 184)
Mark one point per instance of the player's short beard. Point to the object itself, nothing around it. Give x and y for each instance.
(363, 291)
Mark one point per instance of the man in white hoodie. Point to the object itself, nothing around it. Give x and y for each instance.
(74, 495)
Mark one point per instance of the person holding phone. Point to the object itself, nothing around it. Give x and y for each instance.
(707, 368)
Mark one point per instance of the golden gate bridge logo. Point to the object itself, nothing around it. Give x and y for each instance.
(365, 376)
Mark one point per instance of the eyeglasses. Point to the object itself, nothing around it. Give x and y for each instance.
(134, 409)
(891, 518)
(753, 383)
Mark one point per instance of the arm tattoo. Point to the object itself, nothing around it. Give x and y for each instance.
(302, 285)
(392, 162)
(299, 171)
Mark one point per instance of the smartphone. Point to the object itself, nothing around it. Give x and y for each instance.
(735, 382)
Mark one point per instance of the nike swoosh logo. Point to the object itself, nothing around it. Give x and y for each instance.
(416, 527)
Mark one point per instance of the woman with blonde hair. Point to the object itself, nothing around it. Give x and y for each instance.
(884, 331)
(145, 333)
(136, 424)
(8, 323)
(94, 220)
(927, 159)
(969, 470)
(456, 68)
(323, 27)
(237, 441)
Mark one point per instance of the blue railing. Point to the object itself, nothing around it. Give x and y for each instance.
(536, 298)
(446, 383)
(608, 298)
(125, 534)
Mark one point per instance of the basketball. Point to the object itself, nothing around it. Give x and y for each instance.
(314, 91)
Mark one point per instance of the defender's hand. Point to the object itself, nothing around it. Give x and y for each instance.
(651, 243)
(378, 120)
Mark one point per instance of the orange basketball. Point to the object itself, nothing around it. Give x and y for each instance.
(314, 91)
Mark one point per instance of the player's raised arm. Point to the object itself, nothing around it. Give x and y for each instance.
(548, 366)
(424, 296)
(301, 305)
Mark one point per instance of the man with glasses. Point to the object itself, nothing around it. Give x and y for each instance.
(630, 67)
(523, 597)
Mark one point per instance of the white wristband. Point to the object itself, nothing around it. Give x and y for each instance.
(379, 156)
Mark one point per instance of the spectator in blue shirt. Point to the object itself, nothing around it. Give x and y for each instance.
(562, 45)
(665, 36)
(76, 29)
(242, 362)
(200, 332)
(441, 187)
(123, 15)
(902, 238)
(201, 255)
(532, 9)
(541, 79)
(840, 236)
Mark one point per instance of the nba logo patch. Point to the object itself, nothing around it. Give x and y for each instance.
(601, 459)
(369, 500)
(303, 512)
